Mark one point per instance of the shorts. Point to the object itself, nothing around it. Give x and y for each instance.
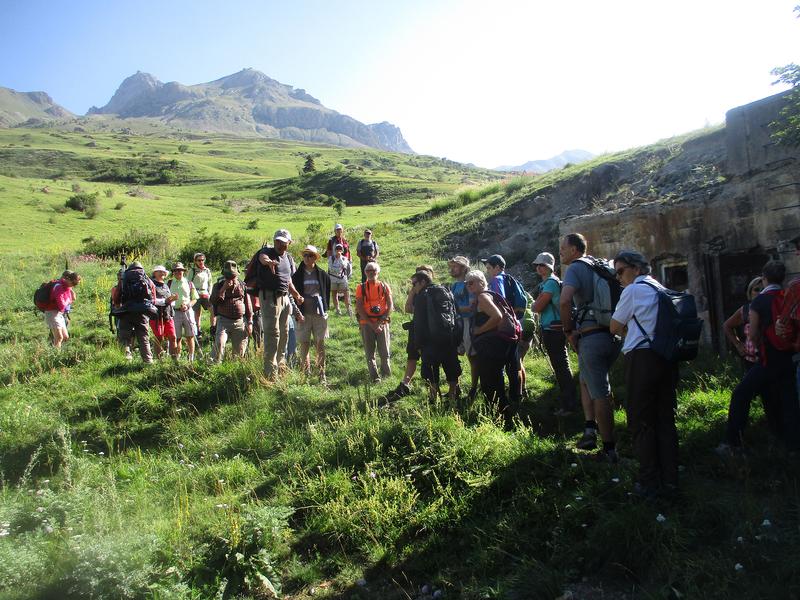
(55, 319)
(445, 357)
(184, 324)
(312, 324)
(162, 329)
(411, 349)
(596, 355)
(338, 287)
(201, 303)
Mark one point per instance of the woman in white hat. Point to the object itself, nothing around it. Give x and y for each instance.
(546, 305)
(163, 326)
(314, 285)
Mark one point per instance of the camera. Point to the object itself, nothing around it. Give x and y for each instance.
(375, 310)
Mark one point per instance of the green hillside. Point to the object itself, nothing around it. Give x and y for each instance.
(201, 481)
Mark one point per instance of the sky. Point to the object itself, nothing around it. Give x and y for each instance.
(490, 83)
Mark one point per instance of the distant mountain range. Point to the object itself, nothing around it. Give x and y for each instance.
(572, 157)
(245, 103)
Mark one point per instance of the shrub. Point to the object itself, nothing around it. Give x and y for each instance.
(183, 148)
(134, 243)
(218, 248)
(252, 224)
(119, 206)
(92, 211)
(82, 202)
(338, 206)
(515, 185)
(76, 187)
(109, 193)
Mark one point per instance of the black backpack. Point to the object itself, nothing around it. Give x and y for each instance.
(678, 329)
(438, 322)
(135, 286)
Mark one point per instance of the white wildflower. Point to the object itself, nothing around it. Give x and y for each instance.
(661, 518)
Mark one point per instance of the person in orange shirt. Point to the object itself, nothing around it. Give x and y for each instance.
(374, 307)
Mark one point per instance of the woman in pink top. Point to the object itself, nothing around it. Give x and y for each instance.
(61, 298)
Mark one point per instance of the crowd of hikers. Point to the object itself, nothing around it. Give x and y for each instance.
(600, 309)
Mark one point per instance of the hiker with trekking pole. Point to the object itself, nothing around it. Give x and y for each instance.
(233, 309)
(137, 307)
(163, 325)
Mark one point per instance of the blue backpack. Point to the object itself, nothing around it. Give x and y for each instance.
(678, 329)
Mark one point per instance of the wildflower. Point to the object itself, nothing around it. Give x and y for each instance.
(766, 523)
(40, 509)
(738, 567)
(216, 455)
(180, 446)
(372, 474)
(740, 539)
(579, 498)
(615, 480)
(574, 465)
(48, 529)
(101, 453)
(661, 518)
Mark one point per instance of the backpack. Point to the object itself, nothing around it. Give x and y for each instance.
(520, 300)
(777, 342)
(41, 297)
(439, 322)
(509, 328)
(135, 286)
(606, 292)
(678, 329)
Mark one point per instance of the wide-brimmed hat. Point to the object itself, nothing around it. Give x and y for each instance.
(198, 255)
(460, 260)
(283, 235)
(161, 268)
(495, 260)
(230, 268)
(546, 259)
(311, 250)
(178, 266)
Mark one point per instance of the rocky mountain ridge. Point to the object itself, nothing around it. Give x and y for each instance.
(568, 157)
(247, 103)
(20, 107)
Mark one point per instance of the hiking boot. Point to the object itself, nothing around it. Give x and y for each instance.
(588, 440)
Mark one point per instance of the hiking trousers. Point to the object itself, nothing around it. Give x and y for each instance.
(236, 330)
(275, 312)
(651, 382)
(135, 324)
(555, 343)
(379, 340)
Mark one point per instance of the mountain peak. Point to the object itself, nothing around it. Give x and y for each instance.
(244, 78)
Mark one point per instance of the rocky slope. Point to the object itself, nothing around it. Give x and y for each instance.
(247, 103)
(20, 107)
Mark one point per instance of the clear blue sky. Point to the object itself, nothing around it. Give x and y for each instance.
(493, 83)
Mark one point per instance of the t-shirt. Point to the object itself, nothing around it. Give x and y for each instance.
(202, 280)
(580, 277)
(367, 248)
(278, 281)
(462, 297)
(762, 305)
(498, 285)
(311, 294)
(551, 313)
(339, 269)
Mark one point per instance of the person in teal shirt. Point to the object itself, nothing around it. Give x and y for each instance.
(553, 338)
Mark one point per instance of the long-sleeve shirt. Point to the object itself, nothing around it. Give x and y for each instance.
(184, 288)
(231, 303)
(62, 296)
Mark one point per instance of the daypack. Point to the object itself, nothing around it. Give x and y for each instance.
(776, 305)
(440, 322)
(41, 297)
(606, 292)
(509, 328)
(678, 329)
(520, 300)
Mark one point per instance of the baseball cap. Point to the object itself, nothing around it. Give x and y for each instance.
(282, 235)
(546, 259)
(495, 260)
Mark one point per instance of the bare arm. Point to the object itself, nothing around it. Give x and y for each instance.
(755, 330)
(486, 306)
(730, 326)
(565, 307)
(541, 302)
(617, 328)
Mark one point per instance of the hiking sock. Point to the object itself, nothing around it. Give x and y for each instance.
(590, 427)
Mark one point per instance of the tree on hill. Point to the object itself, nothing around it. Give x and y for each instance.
(309, 166)
(786, 128)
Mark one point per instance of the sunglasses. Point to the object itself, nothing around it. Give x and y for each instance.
(307, 255)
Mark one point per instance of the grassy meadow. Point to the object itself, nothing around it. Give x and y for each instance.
(198, 481)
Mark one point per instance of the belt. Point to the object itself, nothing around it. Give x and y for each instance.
(593, 331)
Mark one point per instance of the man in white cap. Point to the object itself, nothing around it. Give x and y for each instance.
(270, 271)
(547, 306)
(314, 286)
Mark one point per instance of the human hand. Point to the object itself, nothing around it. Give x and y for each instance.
(300, 318)
(572, 338)
(249, 329)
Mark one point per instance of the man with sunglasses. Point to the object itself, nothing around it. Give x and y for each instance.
(200, 276)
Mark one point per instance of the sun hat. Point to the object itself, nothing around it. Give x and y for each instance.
(755, 282)
(198, 255)
(495, 260)
(460, 260)
(178, 266)
(230, 268)
(546, 259)
(160, 268)
(311, 250)
(369, 231)
(135, 265)
(282, 235)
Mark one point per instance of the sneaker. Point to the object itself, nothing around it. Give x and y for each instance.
(588, 440)
(191, 358)
(128, 355)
